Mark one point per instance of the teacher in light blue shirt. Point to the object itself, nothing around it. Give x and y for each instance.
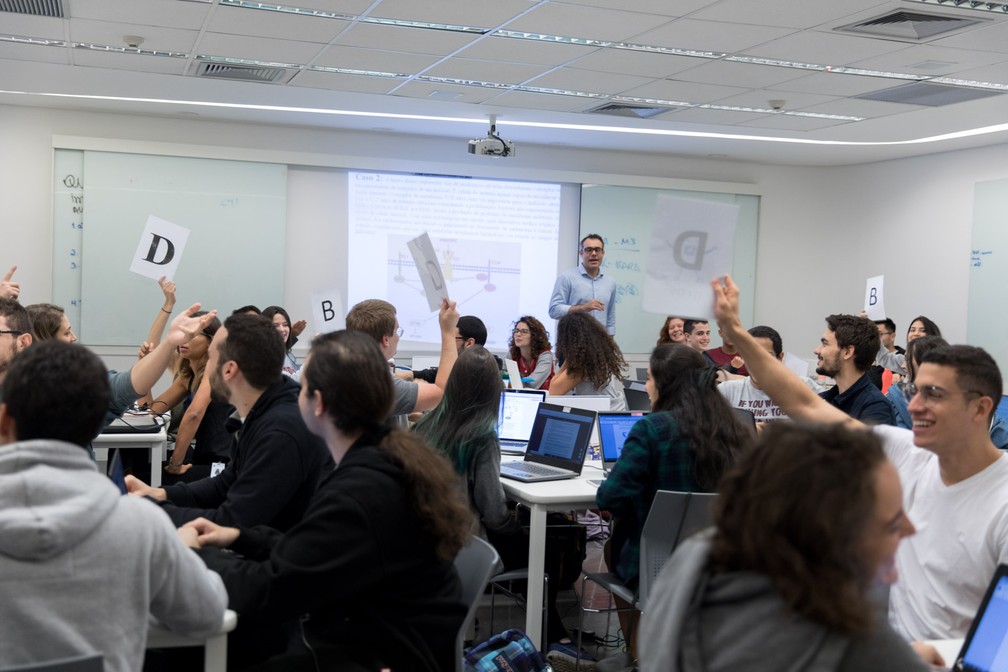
(586, 288)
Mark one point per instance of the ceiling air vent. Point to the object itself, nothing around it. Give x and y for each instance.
(627, 110)
(51, 8)
(926, 93)
(245, 73)
(913, 26)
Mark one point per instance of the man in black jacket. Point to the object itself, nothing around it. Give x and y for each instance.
(276, 462)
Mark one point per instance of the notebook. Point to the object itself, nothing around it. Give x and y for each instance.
(557, 447)
(613, 428)
(515, 418)
(985, 648)
(514, 375)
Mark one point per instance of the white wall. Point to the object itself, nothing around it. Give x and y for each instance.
(823, 231)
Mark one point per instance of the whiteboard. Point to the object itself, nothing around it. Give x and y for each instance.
(986, 322)
(624, 216)
(236, 214)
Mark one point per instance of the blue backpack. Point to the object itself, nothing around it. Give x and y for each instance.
(509, 651)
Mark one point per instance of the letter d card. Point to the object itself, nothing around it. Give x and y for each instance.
(160, 249)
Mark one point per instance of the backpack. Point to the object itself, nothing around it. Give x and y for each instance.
(509, 651)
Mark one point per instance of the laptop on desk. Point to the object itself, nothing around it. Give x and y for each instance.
(613, 428)
(557, 447)
(985, 648)
(516, 417)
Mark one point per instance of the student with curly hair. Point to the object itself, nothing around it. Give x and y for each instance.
(672, 331)
(365, 581)
(530, 348)
(592, 362)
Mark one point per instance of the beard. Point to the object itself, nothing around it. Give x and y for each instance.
(218, 390)
(830, 369)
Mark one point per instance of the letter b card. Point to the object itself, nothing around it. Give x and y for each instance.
(160, 249)
(691, 244)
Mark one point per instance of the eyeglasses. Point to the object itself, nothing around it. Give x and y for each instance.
(931, 394)
(593, 250)
(12, 332)
(523, 332)
(399, 331)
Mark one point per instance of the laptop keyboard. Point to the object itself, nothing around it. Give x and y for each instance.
(533, 469)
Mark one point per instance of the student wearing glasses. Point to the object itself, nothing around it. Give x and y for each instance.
(15, 332)
(585, 288)
(530, 348)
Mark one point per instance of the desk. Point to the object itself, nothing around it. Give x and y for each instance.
(577, 493)
(214, 646)
(947, 648)
(155, 442)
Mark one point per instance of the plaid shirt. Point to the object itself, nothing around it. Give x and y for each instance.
(655, 457)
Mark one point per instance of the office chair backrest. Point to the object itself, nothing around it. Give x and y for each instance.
(674, 516)
(475, 564)
(92, 662)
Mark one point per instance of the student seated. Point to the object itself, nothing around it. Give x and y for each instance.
(592, 362)
(83, 568)
(804, 525)
(366, 580)
(530, 348)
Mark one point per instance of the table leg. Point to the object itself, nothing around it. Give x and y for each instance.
(536, 570)
(157, 455)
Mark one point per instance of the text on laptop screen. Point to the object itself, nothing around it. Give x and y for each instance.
(613, 431)
(988, 650)
(517, 415)
(561, 432)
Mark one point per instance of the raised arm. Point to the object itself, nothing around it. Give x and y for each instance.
(429, 396)
(785, 388)
(191, 420)
(8, 288)
(146, 372)
(161, 319)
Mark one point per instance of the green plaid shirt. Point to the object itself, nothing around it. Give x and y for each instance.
(655, 457)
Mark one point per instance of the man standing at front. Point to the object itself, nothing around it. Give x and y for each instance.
(586, 288)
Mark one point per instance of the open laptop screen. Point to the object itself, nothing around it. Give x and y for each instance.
(517, 413)
(613, 430)
(986, 645)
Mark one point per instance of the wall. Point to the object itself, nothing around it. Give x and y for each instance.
(823, 231)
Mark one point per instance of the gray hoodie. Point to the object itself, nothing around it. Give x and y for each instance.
(698, 622)
(82, 569)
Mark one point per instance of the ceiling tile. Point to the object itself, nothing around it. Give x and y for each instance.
(997, 73)
(349, 7)
(31, 52)
(912, 55)
(543, 101)
(824, 48)
(586, 22)
(470, 94)
(786, 13)
(143, 12)
(641, 63)
(111, 34)
(261, 48)
(25, 25)
(710, 117)
(415, 40)
(486, 71)
(687, 92)
(760, 98)
(525, 51)
(730, 38)
(788, 123)
(374, 59)
(132, 62)
(992, 37)
(660, 7)
(835, 84)
(743, 75)
(857, 107)
(339, 82)
(280, 25)
(485, 13)
(588, 81)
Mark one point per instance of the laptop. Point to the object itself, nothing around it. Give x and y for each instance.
(637, 398)
(515, 418)
(514, 375)
(613, 428)
(557, 447)
(986, 643)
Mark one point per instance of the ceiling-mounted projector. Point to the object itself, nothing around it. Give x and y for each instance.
(492, 144)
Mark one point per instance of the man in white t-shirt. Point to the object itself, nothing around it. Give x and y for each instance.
(955, 481)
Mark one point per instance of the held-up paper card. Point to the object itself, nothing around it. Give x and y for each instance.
(691, 242)
(160, 249)
(327, 311)
(429, 269)
(873, 303)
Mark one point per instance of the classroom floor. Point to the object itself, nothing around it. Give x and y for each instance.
(607, 635)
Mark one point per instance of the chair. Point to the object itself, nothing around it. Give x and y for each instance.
(673, 516)
(91, 662)
(475, 563)
(497, 584)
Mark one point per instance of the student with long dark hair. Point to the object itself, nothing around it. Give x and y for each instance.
(365, 581)
(592, 362)
(281, 320)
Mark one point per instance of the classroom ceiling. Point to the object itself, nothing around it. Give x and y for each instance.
(794, 82)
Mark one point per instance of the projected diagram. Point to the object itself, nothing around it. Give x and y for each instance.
(482, 278)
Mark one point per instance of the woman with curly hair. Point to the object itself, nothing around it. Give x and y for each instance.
(530, 348)
(365, 581)
(672, 331)
(592, 362)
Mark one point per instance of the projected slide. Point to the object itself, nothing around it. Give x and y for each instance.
(496, 241)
